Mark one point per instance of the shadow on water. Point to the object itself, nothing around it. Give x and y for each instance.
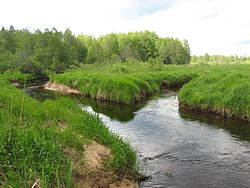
(119, 112)
(124, 113)
(41, 94)
(175, 147)
(115, 111)
(237, 128)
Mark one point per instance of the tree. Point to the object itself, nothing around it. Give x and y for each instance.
(95, 52)
(110, 45)
(145, 45)
(172, 51)
(76, 49)
(7, 41)
(206, 58)
(126, 47)
(187, 52)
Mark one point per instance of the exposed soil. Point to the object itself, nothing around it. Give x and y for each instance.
(61, 88)
(89, 168)
(15, 83)
(102, 97)
(222, 112)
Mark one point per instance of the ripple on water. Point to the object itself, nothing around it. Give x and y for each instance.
(183, 149)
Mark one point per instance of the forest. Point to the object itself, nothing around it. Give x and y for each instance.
(51, 50)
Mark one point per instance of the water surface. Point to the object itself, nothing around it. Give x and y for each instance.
(178, 148)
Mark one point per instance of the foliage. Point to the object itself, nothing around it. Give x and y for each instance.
(139, 46)
(124, 82)
(221, 89)
(172, 51)
(33, 140)
(40, 51)
(219, 59)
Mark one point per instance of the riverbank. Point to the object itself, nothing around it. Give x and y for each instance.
(177, 149)
(49, 143)
(61, 88)
(47, 129)
(217, 89)
(224, 92)
(124, 83)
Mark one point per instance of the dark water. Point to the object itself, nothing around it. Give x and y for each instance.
(176, 148)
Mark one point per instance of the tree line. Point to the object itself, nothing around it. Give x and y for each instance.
(51, 50)
(206, 58)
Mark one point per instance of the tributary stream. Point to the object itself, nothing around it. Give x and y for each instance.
(177, 148)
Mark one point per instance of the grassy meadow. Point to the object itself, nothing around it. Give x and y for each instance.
(219, 88)
(35, 135)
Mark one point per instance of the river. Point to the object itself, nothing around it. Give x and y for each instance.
(177, 148)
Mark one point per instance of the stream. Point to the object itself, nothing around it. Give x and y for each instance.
(176, 148)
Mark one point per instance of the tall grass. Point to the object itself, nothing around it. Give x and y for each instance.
(33, 149)
(124, 83)
(222, 90)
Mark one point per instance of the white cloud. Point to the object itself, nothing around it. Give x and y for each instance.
(210, 26)
(213, 26)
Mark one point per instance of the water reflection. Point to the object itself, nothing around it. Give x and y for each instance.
(237, 128)
(178, 148)
(41, 94)
(120, 112)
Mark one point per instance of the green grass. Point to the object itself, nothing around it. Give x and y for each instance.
(124, 83)
(221, 89)
(34, 135)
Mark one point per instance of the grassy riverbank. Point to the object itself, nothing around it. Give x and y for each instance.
(124, 83)
(223, 90)
(220, 89)
(35, 138)
(38, 139)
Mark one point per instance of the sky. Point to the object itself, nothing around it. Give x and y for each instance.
(210, 26)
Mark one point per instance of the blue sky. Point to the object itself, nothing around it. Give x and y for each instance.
(141, 8)
(210, 26)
